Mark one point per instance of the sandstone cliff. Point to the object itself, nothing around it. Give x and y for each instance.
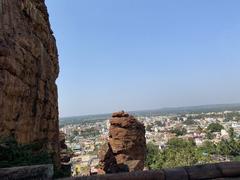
(126, 149)
(28, 70)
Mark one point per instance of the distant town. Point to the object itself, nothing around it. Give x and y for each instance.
(203, 126)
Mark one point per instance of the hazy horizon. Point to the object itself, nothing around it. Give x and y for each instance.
(139, 110)
(139, 54)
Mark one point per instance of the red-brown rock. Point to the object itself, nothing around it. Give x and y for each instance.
(120, 114)
(28, 70)
(108, 162)
(127, 143)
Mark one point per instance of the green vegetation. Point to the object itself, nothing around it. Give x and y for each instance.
(83, 119)
(230, 148)
(149, 128)
(75, 133)
(185, 153)
(153, 160)
(189, 121)
(232, 134)
(214, 127)
(199, 129)
(234, 116)
(14, 154)
(86, 133)
(177, 153)
(159, 123)
(209, 135)
(90, 132)
(179, 131)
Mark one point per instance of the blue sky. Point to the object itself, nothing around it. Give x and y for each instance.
(145, 54)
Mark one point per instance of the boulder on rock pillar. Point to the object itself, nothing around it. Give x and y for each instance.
(126, 145)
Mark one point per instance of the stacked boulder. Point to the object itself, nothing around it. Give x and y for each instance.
(126, 148)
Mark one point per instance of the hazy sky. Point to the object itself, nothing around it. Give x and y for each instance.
(145, 54)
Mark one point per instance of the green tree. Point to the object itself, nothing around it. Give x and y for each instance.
(208, 147)
(209, 135)
(149, 128)
(189, 121)
(177, 153)
(75, 133)
(199, 129)
(153, 160)
(159, 123)
(179, 131)
(228, 147)
(215, 127)
(231, 133)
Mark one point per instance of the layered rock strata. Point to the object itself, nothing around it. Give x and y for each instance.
(28, 70)
(127, 144)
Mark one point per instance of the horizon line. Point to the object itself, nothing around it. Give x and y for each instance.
(167, 107)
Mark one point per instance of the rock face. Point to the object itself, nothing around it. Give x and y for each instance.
(28, 70)
(108, 163)
(126, 146)
(65, 155)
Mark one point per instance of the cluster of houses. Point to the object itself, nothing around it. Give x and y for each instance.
(159, 130)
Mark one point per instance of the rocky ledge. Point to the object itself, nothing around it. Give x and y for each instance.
(27, 172)
(219, 171)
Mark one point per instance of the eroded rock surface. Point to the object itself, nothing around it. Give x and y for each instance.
(65, 154)
(28, 70)
(108, 162)
(126, 146)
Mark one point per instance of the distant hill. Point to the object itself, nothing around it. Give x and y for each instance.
(163, 111)
(192, 109)
(82, 119)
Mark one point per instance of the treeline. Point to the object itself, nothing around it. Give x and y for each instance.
(180, 152)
